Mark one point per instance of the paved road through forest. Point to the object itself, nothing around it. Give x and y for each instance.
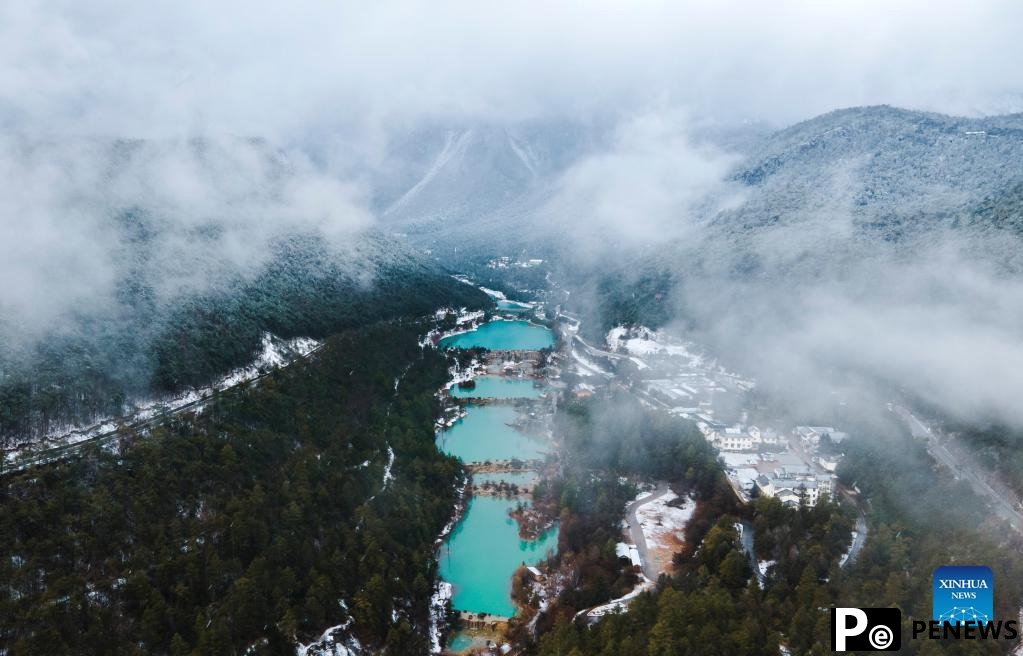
(637, 531)
(963, 466)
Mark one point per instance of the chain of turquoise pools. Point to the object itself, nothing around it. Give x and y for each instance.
(484, 549)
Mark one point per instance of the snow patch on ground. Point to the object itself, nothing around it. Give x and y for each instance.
(456, 413)
(734, 460)
(643, 341)
(468, 317)
(621, 603)
(459, 375)
(466, 321)
(274, 353)
(463, 491)
(388, 476)
(333, 642)
(493, 293)
(452, 148)
(438, 609)
(520, 305)
(587, 367)
(662, 523)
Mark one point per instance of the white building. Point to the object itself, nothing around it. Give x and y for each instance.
(829, 462)
(733, 438)
(811, 435)
(767, 436)
(788, 497)
(764, 436)
(792, 484)
(734, 442)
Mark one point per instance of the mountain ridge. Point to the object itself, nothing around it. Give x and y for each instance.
(180, 280)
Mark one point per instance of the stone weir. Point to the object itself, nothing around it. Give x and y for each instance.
(502, 489)
(524, 363)
(523, 355)
(504, 466)
(483, 621)
(474, 400)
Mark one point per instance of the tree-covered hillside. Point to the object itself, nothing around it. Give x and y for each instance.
(311, 500)
(826, 197)
(142, 266)
(97, 362)
(713, 605)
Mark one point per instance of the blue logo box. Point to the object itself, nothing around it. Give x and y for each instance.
(963, 594)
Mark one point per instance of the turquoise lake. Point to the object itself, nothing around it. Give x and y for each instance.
(483, 550)
(485, 433)
(512, 306)
(482, 553)
(495, 335)
(498, 387)
(463, 641)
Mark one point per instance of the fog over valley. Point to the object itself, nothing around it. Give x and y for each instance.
(538, 329)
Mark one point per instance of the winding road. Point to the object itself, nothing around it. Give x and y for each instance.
(861, 536)
(636, 531)
(42, 454)
(962, 465)
(746, 540)
(594, 351)
(649, 569)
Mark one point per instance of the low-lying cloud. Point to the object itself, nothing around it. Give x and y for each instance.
(937, 327)
(81, 217)
(795, 285)
(299, 72)
(645, 188)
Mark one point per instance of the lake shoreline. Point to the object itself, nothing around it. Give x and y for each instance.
(500, 437)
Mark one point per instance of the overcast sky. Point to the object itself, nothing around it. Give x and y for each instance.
(296, 71)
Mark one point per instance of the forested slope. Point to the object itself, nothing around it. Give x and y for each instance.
(96, 363)
(262, 521)
(712, 604)
(832, 196)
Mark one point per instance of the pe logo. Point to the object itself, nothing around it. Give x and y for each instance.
(963, 595)
(866, 629)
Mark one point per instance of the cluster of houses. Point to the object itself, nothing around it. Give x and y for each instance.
(797, 468)
(759, 460)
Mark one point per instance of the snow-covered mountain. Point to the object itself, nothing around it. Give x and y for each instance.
(862, 245)
(877, 173)
(476, 182)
